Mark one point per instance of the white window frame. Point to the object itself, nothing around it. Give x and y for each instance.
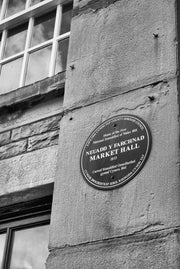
(21, 17)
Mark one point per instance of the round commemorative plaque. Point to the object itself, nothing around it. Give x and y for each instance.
(115, 152)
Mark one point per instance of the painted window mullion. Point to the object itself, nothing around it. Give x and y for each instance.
(55, 42)
(28, 4)
(64, 36)
(3, 43)
(3, 9)
(26, 54)
(12, 58)
(7, 248)
(40, 46)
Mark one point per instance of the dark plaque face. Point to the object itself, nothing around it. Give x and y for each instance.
(115, 152)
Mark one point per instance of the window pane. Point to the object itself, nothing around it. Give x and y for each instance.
(2, 244)
(30, 248)
(43, 28)
(14, 6)
(34, 2)
(15, 40)
(38, 66)
(62, 56)
(10, 75)
(66, 19)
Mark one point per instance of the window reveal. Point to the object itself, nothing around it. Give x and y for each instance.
(2, 245)
(24, 247)
(30, 248)
(34, 41)
(24, 234)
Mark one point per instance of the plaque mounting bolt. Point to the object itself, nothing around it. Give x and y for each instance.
(151, 98)
(72, 67)
(156, 35)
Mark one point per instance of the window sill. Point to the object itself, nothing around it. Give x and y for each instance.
(12, 203)
(34, 92)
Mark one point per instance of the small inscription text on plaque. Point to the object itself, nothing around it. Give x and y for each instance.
(115, 151)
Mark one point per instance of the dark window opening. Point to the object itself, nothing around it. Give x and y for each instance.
(24, 234)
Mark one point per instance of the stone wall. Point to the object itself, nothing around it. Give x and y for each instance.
(29, 137)
(29, 131)
(122, 60)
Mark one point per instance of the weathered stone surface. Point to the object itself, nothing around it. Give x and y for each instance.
(82, 213)
(5, 138)
(32, 114)
(28, 170)
(126, 50)
(42, 126)
(120, 51)
(34, 90)
(141, 252)
(43, 140)
(13, 149)
(89, 5)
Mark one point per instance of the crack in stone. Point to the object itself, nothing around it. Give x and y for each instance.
(133, 237)
(105, 98)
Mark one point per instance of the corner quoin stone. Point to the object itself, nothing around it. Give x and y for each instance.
(105, 60)
(81, 213)
(39, 127)
(149, 251)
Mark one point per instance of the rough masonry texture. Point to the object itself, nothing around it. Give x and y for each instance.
(120, 52)
(28, 170)
(28, 145)
(160, 250)
(124, 58)
(32, 136)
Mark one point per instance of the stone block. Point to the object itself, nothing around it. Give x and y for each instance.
(5, 138)
(83, 214)
(39, 127)
(120, 51)
(28, 170)
(43, 140)
(32, 114)
(13, 149)
(150, 251)
(39, 88)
